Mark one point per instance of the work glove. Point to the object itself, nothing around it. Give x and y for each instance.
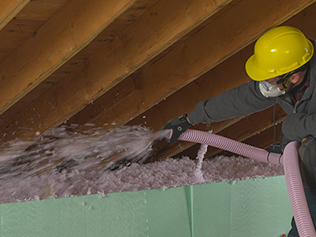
(178, 126)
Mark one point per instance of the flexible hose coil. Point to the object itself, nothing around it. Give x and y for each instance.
(289, 160)
(295, 188)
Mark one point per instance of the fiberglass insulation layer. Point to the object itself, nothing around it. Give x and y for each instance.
(164, 174)
(32, 174)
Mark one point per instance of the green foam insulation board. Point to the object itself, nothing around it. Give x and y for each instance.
(248, 208)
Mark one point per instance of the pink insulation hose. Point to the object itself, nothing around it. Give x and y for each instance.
(295, 188)
(289, 161)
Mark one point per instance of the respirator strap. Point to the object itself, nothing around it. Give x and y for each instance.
(285, 79)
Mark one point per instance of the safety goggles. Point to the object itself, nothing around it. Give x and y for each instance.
(283, 79)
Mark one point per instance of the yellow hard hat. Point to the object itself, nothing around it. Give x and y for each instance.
(277, 52)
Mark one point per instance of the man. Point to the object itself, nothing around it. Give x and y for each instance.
(283, 70)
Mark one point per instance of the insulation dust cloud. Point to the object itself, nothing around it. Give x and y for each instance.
(69, 163)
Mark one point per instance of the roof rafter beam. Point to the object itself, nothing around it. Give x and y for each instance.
(153, 32)
(9, 9)
(61, 37)
(208, 85)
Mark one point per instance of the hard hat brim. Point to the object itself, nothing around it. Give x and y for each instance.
(258, 74)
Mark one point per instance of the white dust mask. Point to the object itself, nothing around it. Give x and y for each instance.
(269, 90)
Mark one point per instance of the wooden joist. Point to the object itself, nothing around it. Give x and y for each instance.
(62, 36)
(115, 61)
(9, 9)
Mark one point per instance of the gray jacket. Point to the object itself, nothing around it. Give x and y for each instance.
(247, 98)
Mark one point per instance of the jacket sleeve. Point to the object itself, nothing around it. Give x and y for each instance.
(299, 125)
(242, 100)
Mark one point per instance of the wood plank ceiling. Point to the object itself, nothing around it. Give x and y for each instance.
(129, 62)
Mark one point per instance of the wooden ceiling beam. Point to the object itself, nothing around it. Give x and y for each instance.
(184, 100)
(225, 35)
(153, 32)
(208, 85)
(61, 37)
(9, 9)
(40, 10)
(265, 138)
(254, 124)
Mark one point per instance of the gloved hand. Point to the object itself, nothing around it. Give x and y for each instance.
(178, 125)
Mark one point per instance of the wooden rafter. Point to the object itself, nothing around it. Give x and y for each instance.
(9, 9)
(62, 36)
(93, 78)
